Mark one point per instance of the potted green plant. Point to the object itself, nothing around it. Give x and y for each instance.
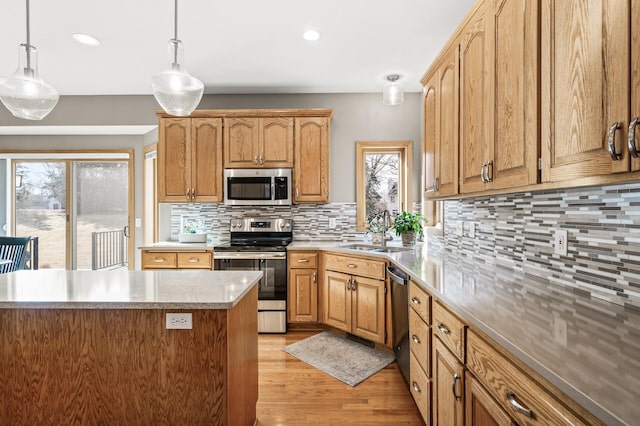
(375, 227)
(408, 226)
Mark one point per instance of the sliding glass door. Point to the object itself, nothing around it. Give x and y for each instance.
(78, 209)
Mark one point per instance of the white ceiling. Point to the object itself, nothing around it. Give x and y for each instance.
(237, 46)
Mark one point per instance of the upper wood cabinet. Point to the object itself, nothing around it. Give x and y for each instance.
(311, 165)
(440, 143)
(258, 142)
(499, 97)
(190, 160)
(634, 136)
(586, 58)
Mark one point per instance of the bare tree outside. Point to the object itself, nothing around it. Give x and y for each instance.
(381, 183)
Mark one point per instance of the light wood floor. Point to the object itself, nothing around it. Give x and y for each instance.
(292, 392)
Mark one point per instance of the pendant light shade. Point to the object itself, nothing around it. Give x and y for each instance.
(177, 91)
(24, 93)
(392, 93)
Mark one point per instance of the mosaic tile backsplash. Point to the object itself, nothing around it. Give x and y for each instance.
(517, 231)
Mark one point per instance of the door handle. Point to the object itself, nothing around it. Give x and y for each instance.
(453, 386)
(615, 156)
(125, 231)
(631, 140)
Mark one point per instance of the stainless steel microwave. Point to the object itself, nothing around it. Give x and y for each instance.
(257, 187)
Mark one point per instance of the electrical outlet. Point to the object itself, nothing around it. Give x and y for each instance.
(181, 321)
(472, 229)
(332, 222)
(460, 228)
(561, 245)
(560, 330)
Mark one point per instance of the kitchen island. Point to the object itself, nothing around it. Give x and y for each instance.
(94, 347)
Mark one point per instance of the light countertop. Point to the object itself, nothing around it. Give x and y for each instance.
(187, 289)
(587, 347)
(175, 245)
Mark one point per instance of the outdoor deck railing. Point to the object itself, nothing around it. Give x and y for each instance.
(108, 249)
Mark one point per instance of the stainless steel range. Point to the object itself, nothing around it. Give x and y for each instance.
(261, 244)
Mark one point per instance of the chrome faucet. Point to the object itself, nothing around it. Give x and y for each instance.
(386, 224)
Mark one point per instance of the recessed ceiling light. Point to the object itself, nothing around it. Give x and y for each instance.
(311, 35)
(86, 39)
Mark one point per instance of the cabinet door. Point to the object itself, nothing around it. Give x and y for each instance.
(515, 93)
(174, 159)
(303, 295)
(277, 142)
(476, 118)
(635, 76)
(481, 409)
(429, 136)
(206, 159)
(337, 300)
(446, 163)
(585, 87)
(241, 142)
(311, 168)
(368, 308)
(448, 387)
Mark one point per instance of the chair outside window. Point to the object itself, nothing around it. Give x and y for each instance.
(13, 249)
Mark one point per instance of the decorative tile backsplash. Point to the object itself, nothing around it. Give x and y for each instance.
(517, 231)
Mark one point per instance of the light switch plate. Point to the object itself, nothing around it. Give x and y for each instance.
(460, 228)
(472, 229)
(332, 222)
(179, 321)
(561, 242)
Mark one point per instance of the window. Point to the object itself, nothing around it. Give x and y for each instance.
(383, 179)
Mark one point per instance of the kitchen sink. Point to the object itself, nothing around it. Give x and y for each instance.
(375, 249)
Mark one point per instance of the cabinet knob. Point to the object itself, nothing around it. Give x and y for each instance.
(351, 265)
(158, 260)
(415, 339)
(416, 388)
(631, 140)
(415, 300)
(193, 260)
(443, 329)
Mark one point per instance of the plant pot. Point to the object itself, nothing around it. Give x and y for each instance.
(408, 238)
(192, 238)
(377, 237)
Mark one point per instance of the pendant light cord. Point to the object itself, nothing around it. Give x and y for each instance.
(29, 39)
(175, 33)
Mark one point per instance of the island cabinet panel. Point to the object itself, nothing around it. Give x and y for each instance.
(110, 366)
(176, 259)
(337, 300)
(481, 408)
(448, 387)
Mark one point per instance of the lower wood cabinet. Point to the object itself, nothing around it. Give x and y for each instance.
(481, 409)
(176, 259)
(448, 387)
(303, 287)
(420, 387)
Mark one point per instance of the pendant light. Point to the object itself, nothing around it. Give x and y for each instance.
(392, 93)
(177, 92)
(24, 93)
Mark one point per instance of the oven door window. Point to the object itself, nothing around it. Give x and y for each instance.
(274, 281)
(249, 188)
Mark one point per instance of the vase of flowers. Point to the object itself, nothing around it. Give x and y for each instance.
(375, 227)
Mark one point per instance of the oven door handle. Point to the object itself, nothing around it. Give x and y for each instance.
(248, 255)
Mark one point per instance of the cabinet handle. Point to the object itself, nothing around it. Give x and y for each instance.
(612, 142)
(188, 194)
(297, 191)
(415, 300)
(303, 260)
(437, 184)
(443, 329)
(511, 397)
(193, 193)
(631, 141)
(489, 174)
(193, 260)
(314, 277)
(482, 170)
(415, 339)
(255, 160)
(416, 387)
(351, 265)
(453, 386)
(353, 284)
(348, 282)
(158, 260)
(261, 160)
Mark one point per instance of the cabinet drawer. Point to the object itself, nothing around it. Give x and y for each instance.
(449, 329)
(420, 341)
(420, 387)
(194, 260)
(512, 388)
(420, 301)
(356, 266)
(303, 259)
(159, 260)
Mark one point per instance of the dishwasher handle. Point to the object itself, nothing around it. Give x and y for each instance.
(397, 278)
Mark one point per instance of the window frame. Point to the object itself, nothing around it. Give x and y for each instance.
(405, 150)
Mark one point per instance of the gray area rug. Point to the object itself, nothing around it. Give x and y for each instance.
(344, 359)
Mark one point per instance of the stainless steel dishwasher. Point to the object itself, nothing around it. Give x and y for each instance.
(400, 320)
